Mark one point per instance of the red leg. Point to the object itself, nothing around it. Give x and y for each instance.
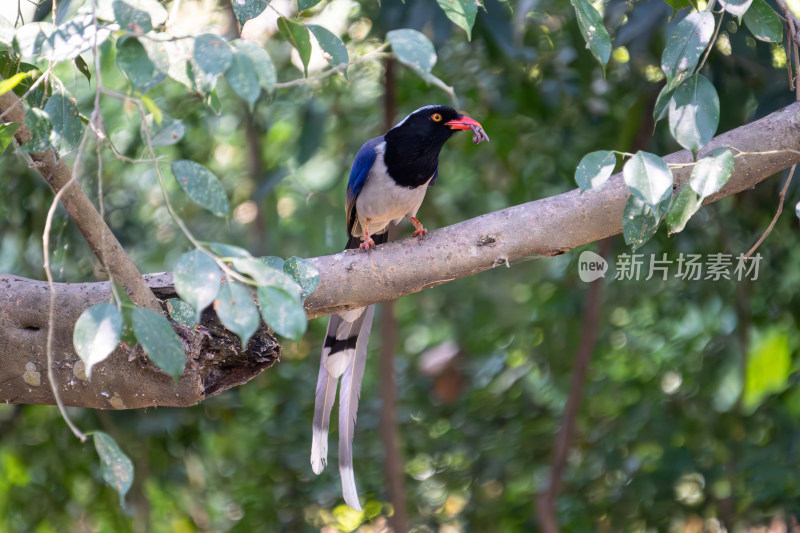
(419, 231)
(368, 242)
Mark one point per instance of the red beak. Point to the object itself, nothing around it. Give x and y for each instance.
(463, 123)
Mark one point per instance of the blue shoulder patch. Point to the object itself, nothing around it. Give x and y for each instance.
(362, 164)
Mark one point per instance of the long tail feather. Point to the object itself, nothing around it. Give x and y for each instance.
(348, 409)
(338, 351)
(326, 393)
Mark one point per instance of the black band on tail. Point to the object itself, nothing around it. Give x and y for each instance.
(340, 345)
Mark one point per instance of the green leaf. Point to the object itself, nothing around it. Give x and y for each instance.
(282, 312)
(413, 49)
(648, 178)
(153, 108)
(181, 312)
(11, 65)
(197, 279)
(768, 367)
(160, 342)
(662, 102)
(261, 62)
(248, 9)
(213, 101)
(237, 310)
(7, 132)
(212, 54)
(243, 78)
(296, 33)
(302, 5)
(694, 113)
(97, 333)
(303, 273)
(168, 132)
(202, 186)
(332, 45)
(462, 13)
(135, 63)
(763, 22)
(266, 276)
(128, 337)
(7, 31)
(228, 251)
(137, 16)
(678, 4)
(712, 172)
(66, 122)
(83, 68)
(272, 261)
(179, 56)
(9, 83)
(594, 169)
(116, 467)
(737, 8)
(593, 30)
(38, 123)
(31, 40)
(131, 18)
(73, 38)
(685, 46)
(684, 206)
(640, 221)
(63, 11)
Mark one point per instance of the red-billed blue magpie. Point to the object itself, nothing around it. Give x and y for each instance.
(388, 181)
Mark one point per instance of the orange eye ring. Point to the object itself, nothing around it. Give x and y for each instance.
(436, 117)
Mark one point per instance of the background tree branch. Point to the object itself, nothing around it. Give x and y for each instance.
(546, 227)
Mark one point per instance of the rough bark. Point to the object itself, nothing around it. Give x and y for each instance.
(546, 227)
(215, 360)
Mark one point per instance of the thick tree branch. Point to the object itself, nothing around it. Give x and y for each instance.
(82, 211)
(546, 227)
(215, 360)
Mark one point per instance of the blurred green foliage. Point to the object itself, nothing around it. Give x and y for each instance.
(668, 430)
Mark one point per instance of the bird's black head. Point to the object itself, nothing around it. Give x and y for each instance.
(413, 146)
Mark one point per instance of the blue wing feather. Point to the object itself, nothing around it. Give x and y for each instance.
(362, 164)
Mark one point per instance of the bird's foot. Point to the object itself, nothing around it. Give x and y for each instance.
(367, 244)
(419, 231)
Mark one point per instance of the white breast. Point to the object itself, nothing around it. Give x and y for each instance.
(382, 200)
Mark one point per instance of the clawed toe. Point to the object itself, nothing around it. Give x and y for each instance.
(367, 244)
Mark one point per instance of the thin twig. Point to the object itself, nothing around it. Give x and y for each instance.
(711, 43)
(338, 68)
(175, 218)
(48, 272)
(52, 309)
(777, 214)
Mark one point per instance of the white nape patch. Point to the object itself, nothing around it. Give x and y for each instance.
(383, 201)
(420, 109)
